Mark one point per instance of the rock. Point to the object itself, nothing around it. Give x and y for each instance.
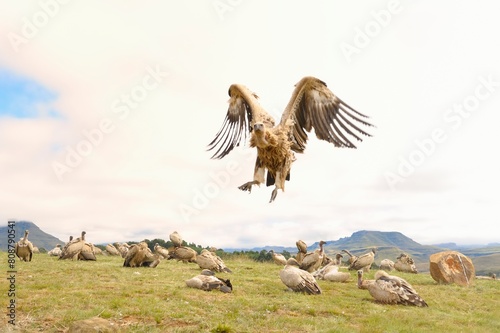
(92, 325)
(452, 267)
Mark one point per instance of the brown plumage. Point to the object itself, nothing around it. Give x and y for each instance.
(313, 260)
(312, 106)
(390, 289)
(112, 250)
(161, 251)
(139, 255)
(301, 246)
(404, 263)
(297, 279)
(87, 251)
(338, 259)
(331, 273)
(211, 261)
(24, 248)
(208, 281)
(182, 253)
(55, 252)
(278, 258)
(122, 248)
(78, 249)
(387, 265)
(364, 261)
(176, 239)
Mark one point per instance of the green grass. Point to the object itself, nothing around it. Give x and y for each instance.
(52, 294)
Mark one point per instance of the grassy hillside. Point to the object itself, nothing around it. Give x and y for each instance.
(52, 294)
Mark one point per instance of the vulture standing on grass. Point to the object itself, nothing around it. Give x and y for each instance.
(161, 251)
(24, 248)
(208, 281)
(387, 265)
(112, 250)
(278, 258)
(78, 249)
(211, 261)
(302, 247)
(364, 261)
(390, 289)
(312, 106)
(313, 260)
(405, 263)
(139, 255)
(55, 252)
(297, 279)
(182, 253)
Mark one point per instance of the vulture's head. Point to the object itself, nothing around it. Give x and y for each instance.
(258, 127)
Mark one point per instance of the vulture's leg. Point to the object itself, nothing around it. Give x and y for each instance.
(258, 177)
(280, 184)
(274, 194)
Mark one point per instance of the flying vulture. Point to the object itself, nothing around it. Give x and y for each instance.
(312, 106)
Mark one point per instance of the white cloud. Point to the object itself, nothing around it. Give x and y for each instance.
(135, 180)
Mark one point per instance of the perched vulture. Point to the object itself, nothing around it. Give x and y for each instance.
(176, 239)
(24, 248)
(208, 281)
(312, 106)
(297, 279)
(390, 289)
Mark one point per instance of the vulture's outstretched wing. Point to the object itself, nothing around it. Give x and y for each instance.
(243, 112)
(313, 105)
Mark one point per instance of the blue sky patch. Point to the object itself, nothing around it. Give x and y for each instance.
(21, 97)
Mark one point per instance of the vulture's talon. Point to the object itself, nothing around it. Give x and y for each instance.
(273, 195)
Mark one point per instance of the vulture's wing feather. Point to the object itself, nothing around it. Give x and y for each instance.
(243, 112)
(313, 105)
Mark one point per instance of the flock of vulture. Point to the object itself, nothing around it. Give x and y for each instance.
(300, 273)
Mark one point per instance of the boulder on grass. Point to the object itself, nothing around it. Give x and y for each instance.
(452, 267)
(91, 325)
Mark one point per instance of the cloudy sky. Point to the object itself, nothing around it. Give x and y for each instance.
(106, 110)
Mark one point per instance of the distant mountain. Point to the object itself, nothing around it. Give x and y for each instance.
(390, 245)
(38, 237)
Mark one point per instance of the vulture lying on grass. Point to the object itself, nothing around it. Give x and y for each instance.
(299, 280)
(208, 281)
(312, 106)
(390, 289)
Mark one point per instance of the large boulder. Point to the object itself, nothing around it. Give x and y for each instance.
(452, 267)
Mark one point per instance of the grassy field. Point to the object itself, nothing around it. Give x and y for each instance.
(52, 294)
